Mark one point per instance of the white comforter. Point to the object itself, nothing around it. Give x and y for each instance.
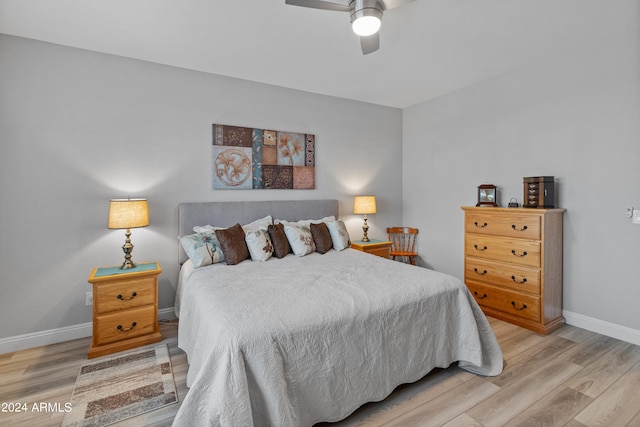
(295, 341)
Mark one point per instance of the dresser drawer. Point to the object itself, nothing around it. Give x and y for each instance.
(520, 225)
(109, 297)
(514, 303)
(516, 251)
(124, 325)
(523, 279)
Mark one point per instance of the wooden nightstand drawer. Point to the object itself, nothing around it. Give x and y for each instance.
(124, 325)
(513, 303)
(516, 251)
(124, 295)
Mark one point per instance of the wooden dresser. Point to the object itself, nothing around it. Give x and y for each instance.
(125, 308)
(513, 264)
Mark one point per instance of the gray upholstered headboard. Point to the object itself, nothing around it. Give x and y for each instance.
(226, 214)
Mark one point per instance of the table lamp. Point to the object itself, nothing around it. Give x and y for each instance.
(363, 205)
(128, 214)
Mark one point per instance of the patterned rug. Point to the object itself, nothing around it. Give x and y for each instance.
(111, 389)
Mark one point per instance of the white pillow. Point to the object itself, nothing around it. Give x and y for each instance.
(300, 239)
(204, 228)
(305, 222)
(202, 249)
(339, 235)
(258, 224)
(252, 226)
(259, 244)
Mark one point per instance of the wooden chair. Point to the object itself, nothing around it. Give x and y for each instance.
(403, 243)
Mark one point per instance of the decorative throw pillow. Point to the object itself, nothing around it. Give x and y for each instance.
(233, 244)
(305, 222)
(204, 228)
(259, 245)
(339, 235)
(279, 240)
(300, 239)
(321, 237)
(258, 224)
(202, 249)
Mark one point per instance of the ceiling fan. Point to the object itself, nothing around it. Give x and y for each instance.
(366, 16)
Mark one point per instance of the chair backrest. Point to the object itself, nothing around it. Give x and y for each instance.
(403, 239)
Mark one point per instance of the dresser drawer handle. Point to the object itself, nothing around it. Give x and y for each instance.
(522, 307)
(480, 226)
(483, 272)
(519, 229)
(484, 248)
(524, 279)
(121, 329)
(133, 295)
(478, 296)
(524, 253)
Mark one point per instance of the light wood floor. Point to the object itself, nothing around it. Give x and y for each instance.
(570, 378)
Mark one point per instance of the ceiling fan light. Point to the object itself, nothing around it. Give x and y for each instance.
(366, 25)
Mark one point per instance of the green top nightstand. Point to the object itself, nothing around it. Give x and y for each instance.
(374, 247)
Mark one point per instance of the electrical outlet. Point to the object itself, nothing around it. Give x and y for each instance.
(89, 298)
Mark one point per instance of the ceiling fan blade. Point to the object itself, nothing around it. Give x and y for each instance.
(392, 4)
(319, 4)
(370, 43)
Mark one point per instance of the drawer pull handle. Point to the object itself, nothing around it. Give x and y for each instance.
(478, 296)
(524, 253)
(522, 307)
(483, 272)
(133, 295)
(524, 279)
(484, 248)
(480, 226)
(121, 329)
(519, 229)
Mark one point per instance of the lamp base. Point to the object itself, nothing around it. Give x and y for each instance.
(127, 248)
(365, 228)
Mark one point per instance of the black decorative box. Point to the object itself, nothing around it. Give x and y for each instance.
(539, 192)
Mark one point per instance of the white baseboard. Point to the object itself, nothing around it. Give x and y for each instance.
(52, 336)
(605, 328)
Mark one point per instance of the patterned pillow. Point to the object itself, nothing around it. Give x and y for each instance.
(279, 240)
(339, 235)
(305, 222)
(202, 249)
(259, 245)
(321, 237)
(233, 244)
(300, 239)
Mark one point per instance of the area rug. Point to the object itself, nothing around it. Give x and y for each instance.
(111, 389)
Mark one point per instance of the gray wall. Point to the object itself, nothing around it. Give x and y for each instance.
(576, 117)
(78, 128)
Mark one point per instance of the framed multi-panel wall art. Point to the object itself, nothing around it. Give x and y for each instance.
(249, 158)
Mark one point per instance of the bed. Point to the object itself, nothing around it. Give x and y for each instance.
(304, 339)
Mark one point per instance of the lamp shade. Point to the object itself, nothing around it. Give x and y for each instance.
(128, 213)
(364, 205)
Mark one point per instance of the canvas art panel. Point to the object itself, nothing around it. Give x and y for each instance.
(250, 158)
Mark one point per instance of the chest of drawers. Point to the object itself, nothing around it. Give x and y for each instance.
(125, 308)
(513, 264)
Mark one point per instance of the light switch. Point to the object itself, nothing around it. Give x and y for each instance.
(636, 216)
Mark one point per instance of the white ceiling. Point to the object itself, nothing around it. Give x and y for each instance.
(428, 47)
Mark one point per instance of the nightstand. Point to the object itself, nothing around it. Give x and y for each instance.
(125, 308)
(374, 247)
